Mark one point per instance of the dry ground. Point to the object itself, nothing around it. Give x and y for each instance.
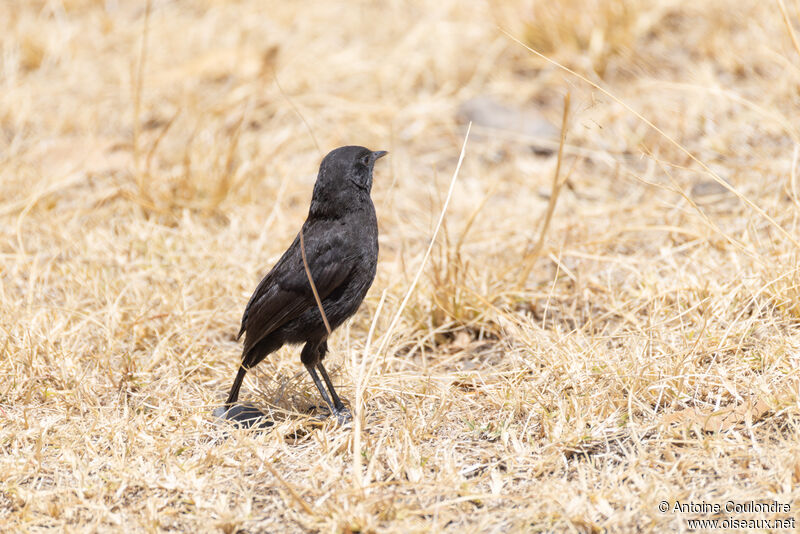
(154, 164)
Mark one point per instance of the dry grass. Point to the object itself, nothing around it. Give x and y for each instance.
(153, 166)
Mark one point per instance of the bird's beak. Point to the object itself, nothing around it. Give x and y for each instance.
(378, 155)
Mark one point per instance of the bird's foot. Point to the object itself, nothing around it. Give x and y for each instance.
(244, 416)
(343, 416)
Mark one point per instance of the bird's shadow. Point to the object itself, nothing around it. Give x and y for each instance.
(245, 415)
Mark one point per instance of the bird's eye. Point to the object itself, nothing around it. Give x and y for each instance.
(364, 160)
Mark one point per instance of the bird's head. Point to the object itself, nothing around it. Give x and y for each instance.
(344, 179)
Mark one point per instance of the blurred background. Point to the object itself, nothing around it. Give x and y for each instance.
(157, 156)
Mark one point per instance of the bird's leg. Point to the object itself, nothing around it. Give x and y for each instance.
(320, 387)
(233, 396)
(246, 416)
(311, 356)
(321, 351)
(337, 402)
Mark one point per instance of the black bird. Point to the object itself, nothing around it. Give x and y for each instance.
(340, 236)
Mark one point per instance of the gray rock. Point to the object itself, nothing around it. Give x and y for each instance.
(494, 119)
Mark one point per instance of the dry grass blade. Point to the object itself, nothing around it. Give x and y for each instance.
(793, 175)
(361, 382)
(387, 335)
(531, 256)
(297, 111)
(789, 27)
(313, 285)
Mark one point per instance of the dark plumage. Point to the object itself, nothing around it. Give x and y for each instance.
(341, 243)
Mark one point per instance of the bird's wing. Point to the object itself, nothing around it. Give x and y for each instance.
(264, 287)
(285, 294)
